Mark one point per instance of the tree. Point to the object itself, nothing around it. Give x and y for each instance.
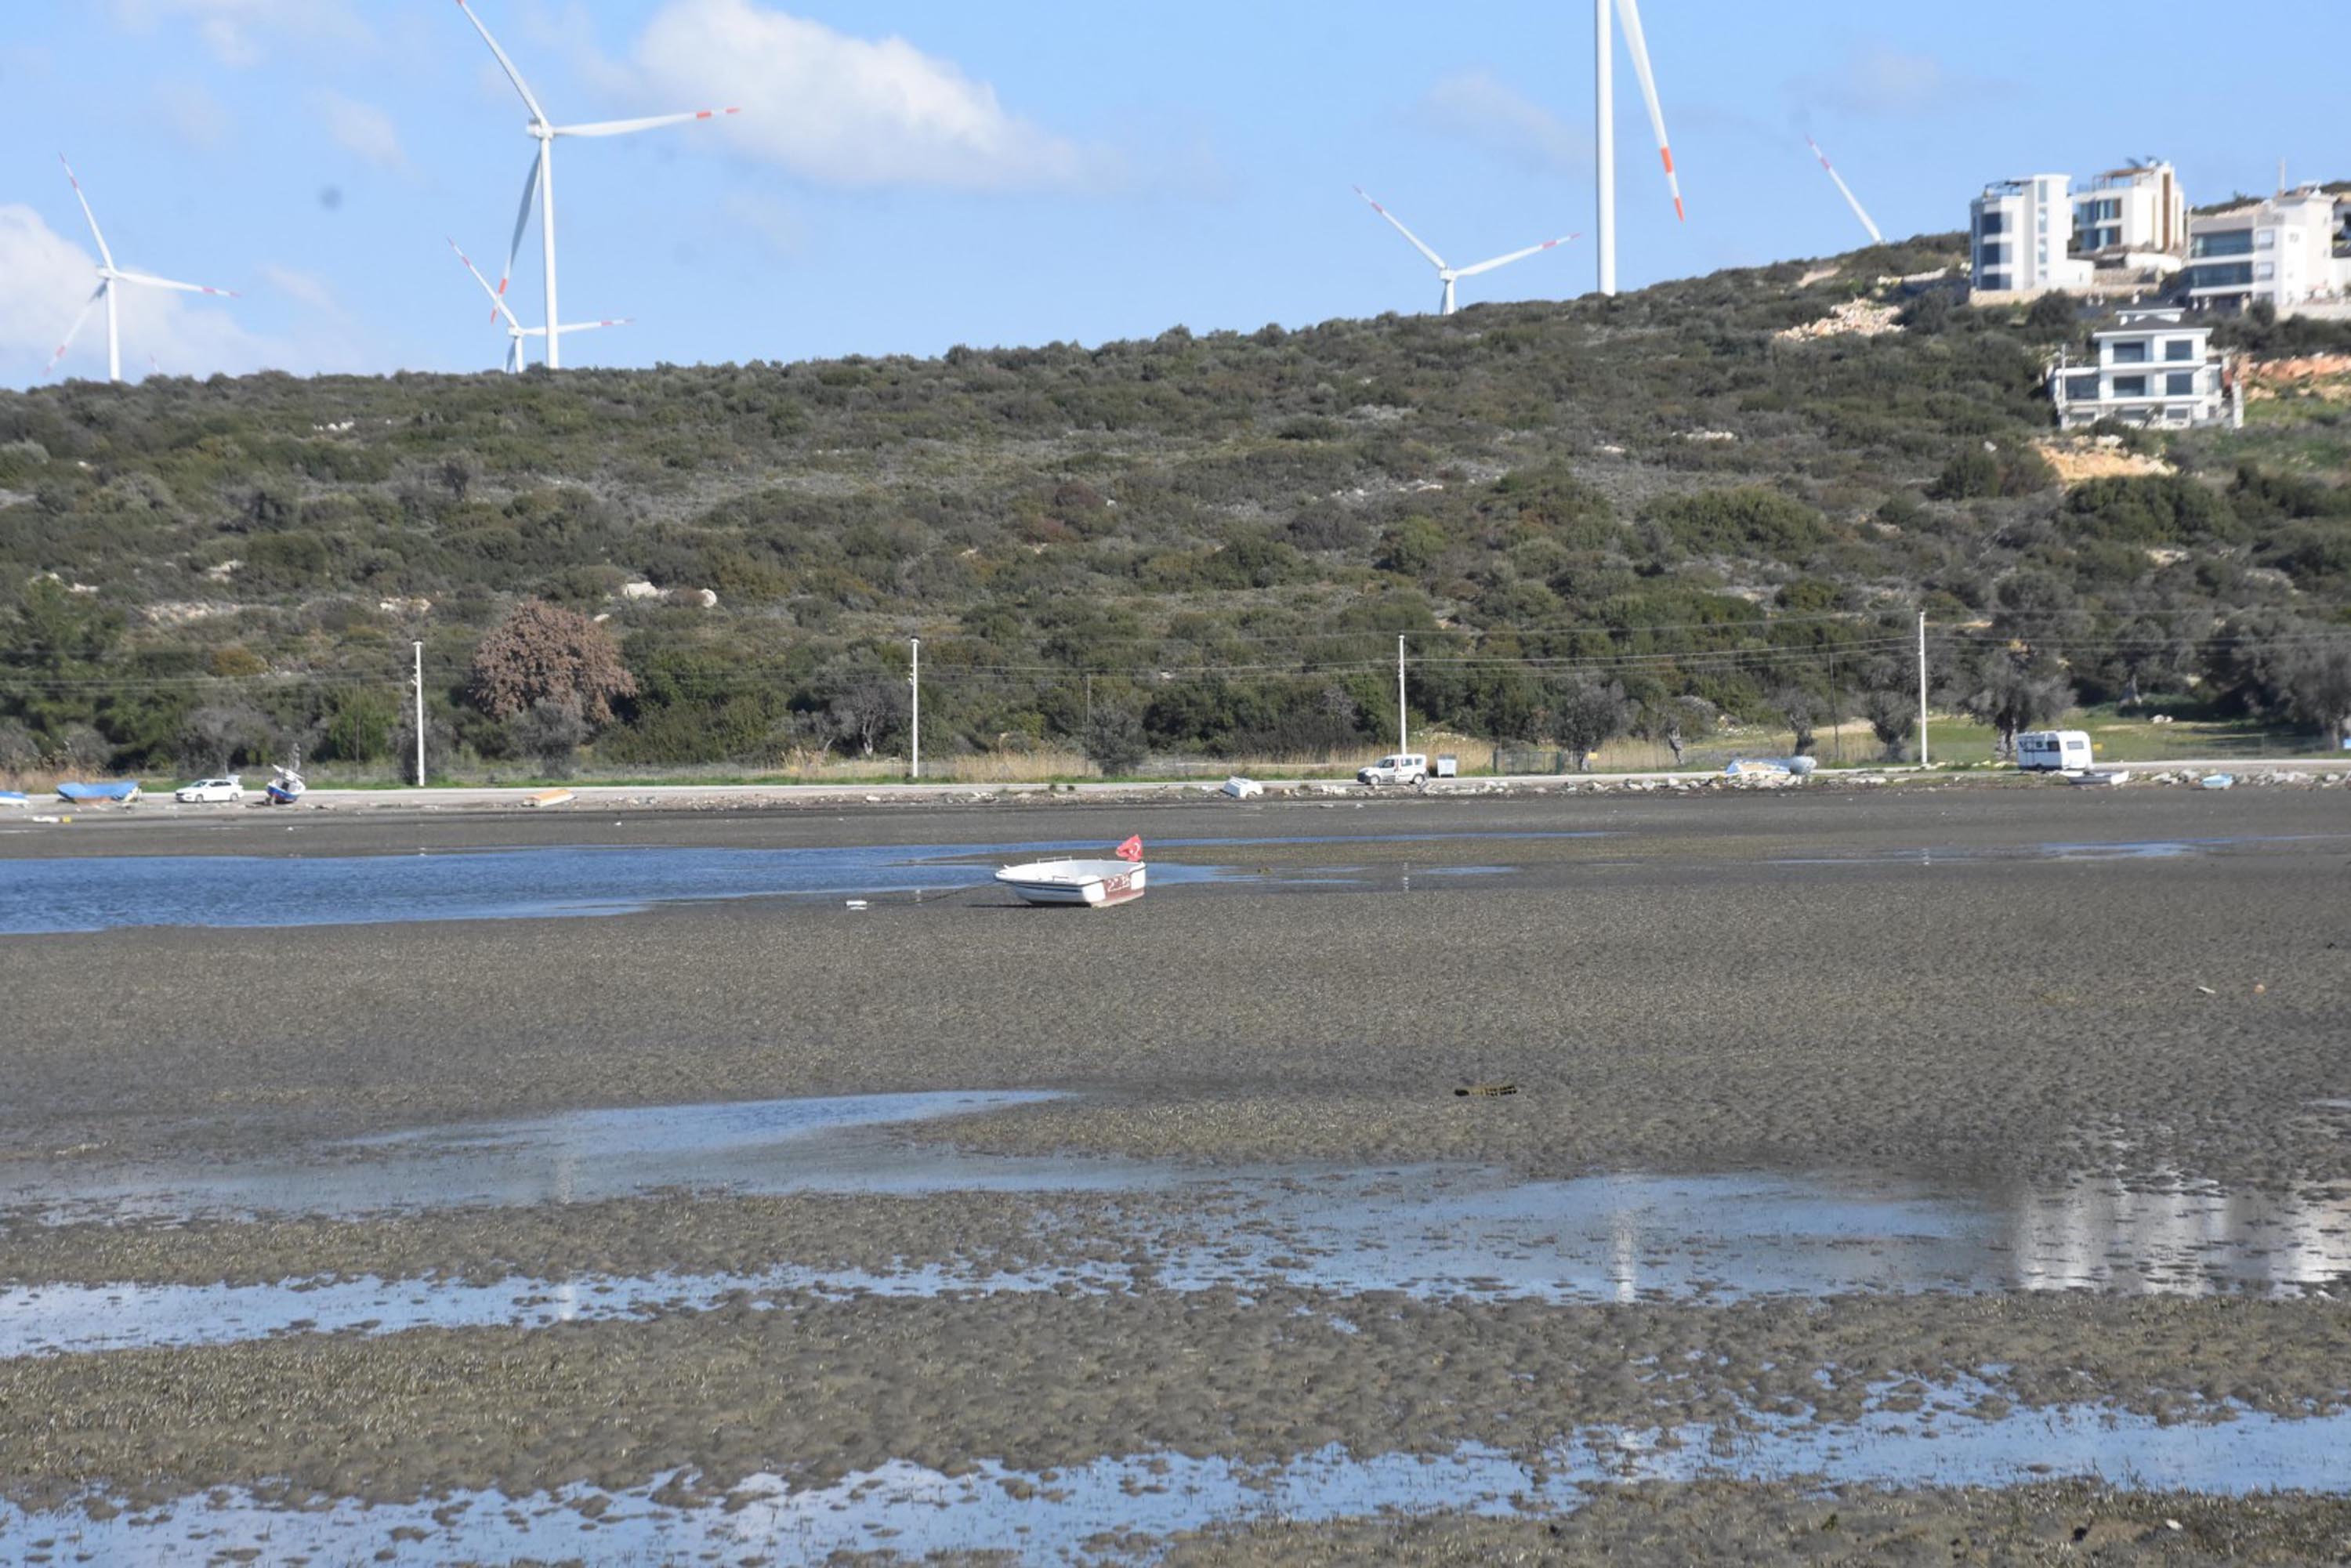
(216, 735)
(867, 701)
(1586, 714)
(551, 730)
(18, 750)
(1893, 718)
(544, 653)
(1800, 709)
(2316, 684)
(2014, 690)
(1114, 740)
(1678, 722)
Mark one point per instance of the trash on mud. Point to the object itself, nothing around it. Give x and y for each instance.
(1241, 789)
(547, 798)
(1486, 1090)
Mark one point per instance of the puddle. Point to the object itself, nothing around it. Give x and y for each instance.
(100, 893)
(2113, 850)
(1095, 1511)
(1434, 1232)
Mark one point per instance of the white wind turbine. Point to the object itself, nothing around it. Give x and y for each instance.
(1449, 275)
(1846, 191)
(516, 330)
(1604, 59)
(108, 275)
(540, 182)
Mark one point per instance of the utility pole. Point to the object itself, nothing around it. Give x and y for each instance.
(1922, 688)
(420, 715)
(1400, 721)
(915, 682)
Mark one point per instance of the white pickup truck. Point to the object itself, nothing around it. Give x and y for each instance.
(1396, 768)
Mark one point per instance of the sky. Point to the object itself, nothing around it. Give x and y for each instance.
(906, 176)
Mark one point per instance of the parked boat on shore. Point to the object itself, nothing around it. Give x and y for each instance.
(124, 791)
(1095, 884)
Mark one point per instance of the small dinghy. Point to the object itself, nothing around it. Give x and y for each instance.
(286, 788)
(1095, 884)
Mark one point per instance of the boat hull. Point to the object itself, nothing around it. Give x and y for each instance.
(1093, 885)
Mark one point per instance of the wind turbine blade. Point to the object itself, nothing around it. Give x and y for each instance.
(1850, 199)
(514, 355)
(497, 305)
(592, 326)
(1628, 12)
(623, 127)
(88, 306)
(184, 287)
(522, 216)
(513, 74)
(104, 254)
(1435, 260)
(1514, 255)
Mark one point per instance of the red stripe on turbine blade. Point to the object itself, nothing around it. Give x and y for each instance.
(1667, 154)
(703, 113)
(1679, 215)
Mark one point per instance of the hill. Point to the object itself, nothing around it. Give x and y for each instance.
(1725, 496)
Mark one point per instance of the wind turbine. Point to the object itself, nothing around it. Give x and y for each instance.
(516, 330)
(108, 275)
(1604, 66)
(1846, 191)
(1450, 274)
(540, 182)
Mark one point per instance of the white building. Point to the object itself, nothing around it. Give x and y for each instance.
(2018, 232)
(2282, 251)
(2152, 367)
(2134, 218)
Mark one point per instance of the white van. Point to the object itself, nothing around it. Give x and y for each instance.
(1396, 768)
(2053, 750)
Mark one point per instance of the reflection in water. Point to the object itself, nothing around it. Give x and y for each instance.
(2180, 1240)
(913, 1511)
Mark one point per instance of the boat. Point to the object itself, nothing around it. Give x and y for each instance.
(124, 790)
(14, 798)
(286, 788)
(1095, 884)
(2106, 778)
(2216, 781)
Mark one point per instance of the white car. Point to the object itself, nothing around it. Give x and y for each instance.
(207, 791)
(1396, 768)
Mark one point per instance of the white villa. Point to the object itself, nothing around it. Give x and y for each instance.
(2154, 366)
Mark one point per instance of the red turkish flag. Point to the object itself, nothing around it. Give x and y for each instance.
(1131, 850)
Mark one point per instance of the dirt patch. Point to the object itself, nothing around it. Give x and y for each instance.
(2077, 461)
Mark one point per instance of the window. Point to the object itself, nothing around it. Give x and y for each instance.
(2265, 239)
(2225, 241)
(1993, 221)
(2180, 383)
(2083, 389)
(1995, 282)
(1992, 256)
(2130, 386)
(2263, 271)
(2222, 274)
(2128, 352)
(2179, 348)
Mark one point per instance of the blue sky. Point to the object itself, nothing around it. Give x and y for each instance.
(908, 176)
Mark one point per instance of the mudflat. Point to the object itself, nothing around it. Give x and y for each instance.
(1961, 989)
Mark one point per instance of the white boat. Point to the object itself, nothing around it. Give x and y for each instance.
(286, 788)
(1092, 883)
(2096, 779)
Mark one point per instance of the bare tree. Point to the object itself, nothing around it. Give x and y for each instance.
(1893, 718)
(2316, 684)
(544, 653)
(2014, 690)
(1800, 708)
(867, 701)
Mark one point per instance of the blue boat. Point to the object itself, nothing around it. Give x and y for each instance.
(14, 798)
(125, 790)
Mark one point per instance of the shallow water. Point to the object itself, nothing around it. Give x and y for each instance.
(2101, 849)
(98, 893)
(1433, 1230)
(1054, 1516)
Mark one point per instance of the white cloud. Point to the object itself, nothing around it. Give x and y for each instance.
(306, 289)
(192, 115)
(847, 111)
(1883, 82)
(232, 29)
(360, 129)
(50, 278)
(1479, 107)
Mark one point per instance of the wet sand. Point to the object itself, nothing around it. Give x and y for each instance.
(1923, 984)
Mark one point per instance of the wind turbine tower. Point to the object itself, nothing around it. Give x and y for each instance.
(109, 276)
(539, 184)
(1449, 275)
(1604, 67)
